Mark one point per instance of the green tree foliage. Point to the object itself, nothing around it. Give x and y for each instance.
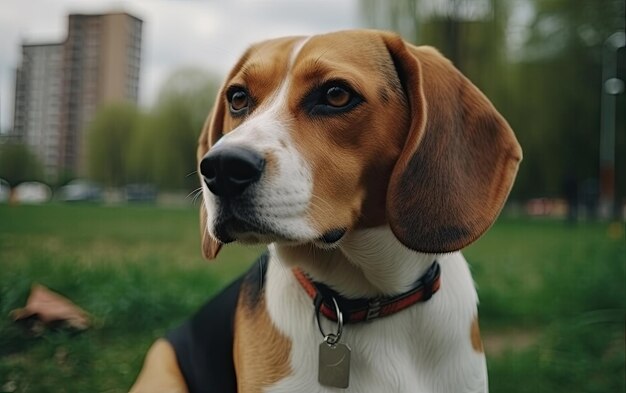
(468, 32)
(176, 121)
(539, 61)
(141, 151)
(109, 137)
(559, 89)
(158, 147)
(175, 139)
(195, 89)
(18, 164)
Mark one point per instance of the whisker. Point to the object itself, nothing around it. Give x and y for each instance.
(325, 209)
(322, 200)
(196, 197)
(194, 192)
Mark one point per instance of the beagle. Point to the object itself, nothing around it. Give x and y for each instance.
(366, 164)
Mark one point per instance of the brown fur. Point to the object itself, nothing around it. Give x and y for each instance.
(459, 160)
(351, 155)
(477, 343)
(256, 338)
(160, 371)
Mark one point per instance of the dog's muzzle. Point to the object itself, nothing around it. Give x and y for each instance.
(228, 172)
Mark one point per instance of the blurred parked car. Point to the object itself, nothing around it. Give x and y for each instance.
(5, 190)
(553, 207)
(32, 192)
(80, 190)
(140, 192)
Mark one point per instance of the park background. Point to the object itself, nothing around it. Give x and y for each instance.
(550, 273)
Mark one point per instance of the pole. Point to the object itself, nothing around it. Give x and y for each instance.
(609, 91)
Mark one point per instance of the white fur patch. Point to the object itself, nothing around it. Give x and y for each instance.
(425, 348)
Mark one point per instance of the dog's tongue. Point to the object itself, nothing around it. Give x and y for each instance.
(333, 235)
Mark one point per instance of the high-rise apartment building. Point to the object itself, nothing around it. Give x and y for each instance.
(59, 87)
(38, 103)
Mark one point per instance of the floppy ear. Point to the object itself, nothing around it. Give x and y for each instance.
(211, 132)
(459, 159)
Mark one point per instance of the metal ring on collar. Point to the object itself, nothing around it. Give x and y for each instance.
(332, 338)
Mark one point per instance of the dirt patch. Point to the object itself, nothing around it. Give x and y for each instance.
(497, 343)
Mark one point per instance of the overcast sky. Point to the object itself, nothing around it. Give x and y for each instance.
(209, 34)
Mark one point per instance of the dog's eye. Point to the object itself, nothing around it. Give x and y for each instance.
(337, 96)
(238, 100)
(331, 98)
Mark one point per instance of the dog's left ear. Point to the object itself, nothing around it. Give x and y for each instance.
(459, 159)
(211, 132)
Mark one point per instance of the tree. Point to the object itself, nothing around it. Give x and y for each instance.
(109, 137)
(468, 32)
(175, 140)
(548, 88)
(158, 147)
(558, 91)
(174, 127)
(18, 164)
(193, 89)
(140, 155)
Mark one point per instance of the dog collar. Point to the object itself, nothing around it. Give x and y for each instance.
(367, 309)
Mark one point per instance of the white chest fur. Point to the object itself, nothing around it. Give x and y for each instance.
(425, 348)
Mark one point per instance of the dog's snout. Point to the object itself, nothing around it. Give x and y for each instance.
(228, 171)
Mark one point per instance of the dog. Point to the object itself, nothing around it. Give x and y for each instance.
(366, 164)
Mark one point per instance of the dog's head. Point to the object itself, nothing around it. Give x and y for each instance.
(313, 137)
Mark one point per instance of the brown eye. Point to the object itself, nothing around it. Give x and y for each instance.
(337, 97)
(238, 101)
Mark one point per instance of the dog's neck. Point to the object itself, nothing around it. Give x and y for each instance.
(366, 263)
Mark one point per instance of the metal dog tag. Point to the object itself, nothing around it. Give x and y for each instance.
(334, 365)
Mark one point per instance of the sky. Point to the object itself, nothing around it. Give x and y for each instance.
(209, 34)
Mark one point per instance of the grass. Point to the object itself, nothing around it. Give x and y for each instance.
(552, 296)
(562, 286)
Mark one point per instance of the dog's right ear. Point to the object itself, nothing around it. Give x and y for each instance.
(211, 132)
(459, 159)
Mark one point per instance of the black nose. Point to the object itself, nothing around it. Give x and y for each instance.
(228, 171)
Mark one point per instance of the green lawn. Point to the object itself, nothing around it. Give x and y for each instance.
(552, 296)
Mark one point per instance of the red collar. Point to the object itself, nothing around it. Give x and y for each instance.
(367, 309)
